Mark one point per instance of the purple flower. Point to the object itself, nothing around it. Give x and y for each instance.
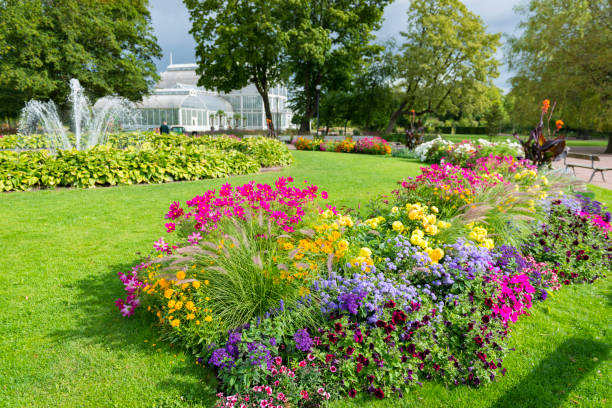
(220, 358)
(302, 339)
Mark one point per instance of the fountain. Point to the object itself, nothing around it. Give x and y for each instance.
(91, 124)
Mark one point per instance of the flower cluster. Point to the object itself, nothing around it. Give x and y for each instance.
(367, 145)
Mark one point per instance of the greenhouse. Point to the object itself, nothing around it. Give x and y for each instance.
(179, 101)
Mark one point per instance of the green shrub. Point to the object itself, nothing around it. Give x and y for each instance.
(103, 166)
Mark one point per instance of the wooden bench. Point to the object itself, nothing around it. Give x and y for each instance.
(591, 157)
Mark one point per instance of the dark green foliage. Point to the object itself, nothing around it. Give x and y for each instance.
(107, 45)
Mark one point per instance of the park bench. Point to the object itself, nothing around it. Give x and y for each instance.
(589, 157)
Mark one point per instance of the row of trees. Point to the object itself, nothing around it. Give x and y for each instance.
(324, 50)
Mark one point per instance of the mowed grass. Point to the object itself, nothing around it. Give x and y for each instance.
(570, 142)
(64, 344)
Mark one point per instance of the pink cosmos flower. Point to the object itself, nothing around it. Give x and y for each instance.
(194, 238)
(161, 245)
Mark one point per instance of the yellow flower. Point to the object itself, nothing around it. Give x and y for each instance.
(208, 318)
(171, 304)
(394, 211)
(365, 252)
(195, 284)
(197, 322)
(434, 209)
(190, 316)
(345, 221)
(436, 255)
(418, 233)
(431, 229)
(175, 322)
(180, 275)
(189, 305)
(397, 225)
(168, 293)
(431, 219)
(343, 245)
(178, 305)
(206, 282)
(414, 214)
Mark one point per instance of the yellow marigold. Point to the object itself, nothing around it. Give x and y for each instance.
(414, 214)
(190, 316)
(431, 229)
(365, 252)
(195, 284)
(189, 305)
(343, 245)
(397, 225)
(206, 282)
(178, 305)
(436, 255)
(171, 304)
(395, 211)
(345, 221)
(175, 323)
(168, 293)
(208, 318)
(434, 209)
(180, 275)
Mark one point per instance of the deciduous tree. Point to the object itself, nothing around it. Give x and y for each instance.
(240, 42)
(564, 53)
(447, 58)
(107, 45)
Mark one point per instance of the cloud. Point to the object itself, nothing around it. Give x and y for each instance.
(171, 24)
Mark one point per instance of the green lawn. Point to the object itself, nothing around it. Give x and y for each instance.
(63, 343)
(571, 142)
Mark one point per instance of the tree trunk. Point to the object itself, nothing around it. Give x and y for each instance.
(394, 117)
(609, 148)
(269, 121)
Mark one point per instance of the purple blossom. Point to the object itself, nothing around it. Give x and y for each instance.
(302, 339)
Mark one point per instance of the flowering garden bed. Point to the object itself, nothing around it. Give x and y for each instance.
(294, 304)
(368, 145)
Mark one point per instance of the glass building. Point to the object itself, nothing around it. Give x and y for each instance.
(178, 100)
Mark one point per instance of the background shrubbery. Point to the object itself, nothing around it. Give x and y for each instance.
(137, 158)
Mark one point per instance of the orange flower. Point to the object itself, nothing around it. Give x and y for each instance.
(545, 105)
(411, 110)
(559, 124)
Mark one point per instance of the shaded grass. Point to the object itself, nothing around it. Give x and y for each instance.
(63, 343)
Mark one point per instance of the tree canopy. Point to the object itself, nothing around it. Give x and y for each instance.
(446, 60)
(325, 35)
(564, 54)
(240, 42)
(107, 45)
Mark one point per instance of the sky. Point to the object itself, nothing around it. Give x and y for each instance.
(171, 25)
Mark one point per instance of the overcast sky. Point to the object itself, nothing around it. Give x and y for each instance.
(171, 24)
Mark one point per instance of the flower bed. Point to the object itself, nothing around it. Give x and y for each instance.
(293, 303)
(157, 159)
(368, 145)
(465, 153)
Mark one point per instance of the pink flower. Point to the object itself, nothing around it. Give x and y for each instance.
(194, 238)
(304, 394)
(170, 226)
(332, 369)
(161, 245)
(324, 195)
(278, 360)
(302, 363)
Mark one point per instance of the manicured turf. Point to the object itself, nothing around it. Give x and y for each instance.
(571, 142)
(63, 343)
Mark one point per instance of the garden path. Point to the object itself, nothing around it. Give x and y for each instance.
(585, 174)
